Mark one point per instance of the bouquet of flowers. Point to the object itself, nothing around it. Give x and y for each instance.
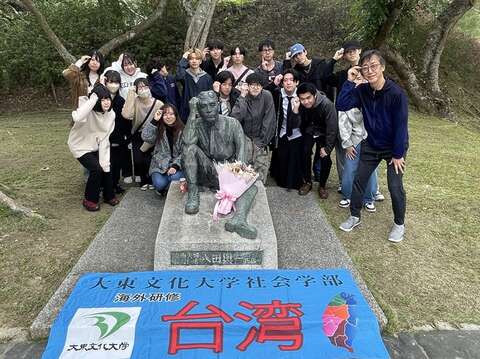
(234, 179)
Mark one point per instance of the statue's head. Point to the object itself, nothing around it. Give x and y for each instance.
(207, 106)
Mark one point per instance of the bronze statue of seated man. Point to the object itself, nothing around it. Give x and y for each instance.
(210, 137)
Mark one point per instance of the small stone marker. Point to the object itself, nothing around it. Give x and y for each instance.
(197, 242)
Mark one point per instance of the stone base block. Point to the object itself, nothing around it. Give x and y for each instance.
(197, 242)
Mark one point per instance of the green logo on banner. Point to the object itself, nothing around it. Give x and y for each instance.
(120, 320)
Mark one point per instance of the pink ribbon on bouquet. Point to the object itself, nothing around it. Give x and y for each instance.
(224, 204)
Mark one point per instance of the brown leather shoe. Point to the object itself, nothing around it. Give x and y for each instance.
(323, 193)
(306, 187)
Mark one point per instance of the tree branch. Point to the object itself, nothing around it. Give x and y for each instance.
(437, 39)
(64, 53)
(386, 28)
(10, 203)
(134, 31)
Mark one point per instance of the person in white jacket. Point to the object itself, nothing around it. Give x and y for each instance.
(126, 65)
(89, 143)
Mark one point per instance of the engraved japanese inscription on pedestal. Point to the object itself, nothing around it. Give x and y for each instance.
(183, 258)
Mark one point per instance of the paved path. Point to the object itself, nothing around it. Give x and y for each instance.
(435, 344)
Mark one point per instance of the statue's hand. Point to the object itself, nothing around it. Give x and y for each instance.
(193, 104)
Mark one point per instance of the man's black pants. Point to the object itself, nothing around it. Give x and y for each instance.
(369, 161)
(325, 162)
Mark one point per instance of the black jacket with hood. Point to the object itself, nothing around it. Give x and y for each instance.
(321, 120)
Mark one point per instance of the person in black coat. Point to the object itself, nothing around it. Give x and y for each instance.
(213, 61)
(120, 137)
(313, 70)
(287, 163)
(319, 126)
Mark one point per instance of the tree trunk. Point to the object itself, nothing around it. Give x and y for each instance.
(437, 39)
(408, 78)
(64, 53)
(199, 27)
(136, 30)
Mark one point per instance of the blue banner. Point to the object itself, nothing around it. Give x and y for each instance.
(216, 314)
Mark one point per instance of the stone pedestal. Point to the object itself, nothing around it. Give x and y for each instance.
(197, 242)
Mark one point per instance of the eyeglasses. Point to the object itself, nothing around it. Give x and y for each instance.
(255, 85)
(226, 84)
(372, 68)
(267, 50)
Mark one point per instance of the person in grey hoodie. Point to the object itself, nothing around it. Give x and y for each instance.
(255, 110)
(319, 126)
(193, 79)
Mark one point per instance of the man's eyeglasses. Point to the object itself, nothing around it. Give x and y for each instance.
(372, 68)
(267, 50)
(255, 85)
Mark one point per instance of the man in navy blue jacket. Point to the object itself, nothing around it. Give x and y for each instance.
(384, 107)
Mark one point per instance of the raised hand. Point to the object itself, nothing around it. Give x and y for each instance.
(339, 54)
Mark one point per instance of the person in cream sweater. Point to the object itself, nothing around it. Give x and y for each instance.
(89, 143)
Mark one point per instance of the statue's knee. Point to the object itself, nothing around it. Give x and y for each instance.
(190, 151)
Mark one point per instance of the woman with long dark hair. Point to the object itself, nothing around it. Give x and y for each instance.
(165, 132)
(84, 74)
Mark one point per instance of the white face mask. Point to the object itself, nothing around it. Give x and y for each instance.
(144, 93)
(113, 87)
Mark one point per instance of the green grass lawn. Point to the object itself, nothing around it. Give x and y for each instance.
(38, 170)
(432, 276)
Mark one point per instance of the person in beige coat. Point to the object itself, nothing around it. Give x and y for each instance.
(89, 143)
(140, 107)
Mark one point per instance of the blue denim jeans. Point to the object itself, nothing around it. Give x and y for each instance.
(348, 176)
(162, 181)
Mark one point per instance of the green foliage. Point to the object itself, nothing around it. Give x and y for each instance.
(470, 23)
(82, 25)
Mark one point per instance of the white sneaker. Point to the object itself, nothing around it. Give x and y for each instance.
(128, 180)
(379, 197)
(397, 232)
(370, 207)
(138, 179)
(344, 203)
(144, 187)
(350, 224)
(151, 186)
